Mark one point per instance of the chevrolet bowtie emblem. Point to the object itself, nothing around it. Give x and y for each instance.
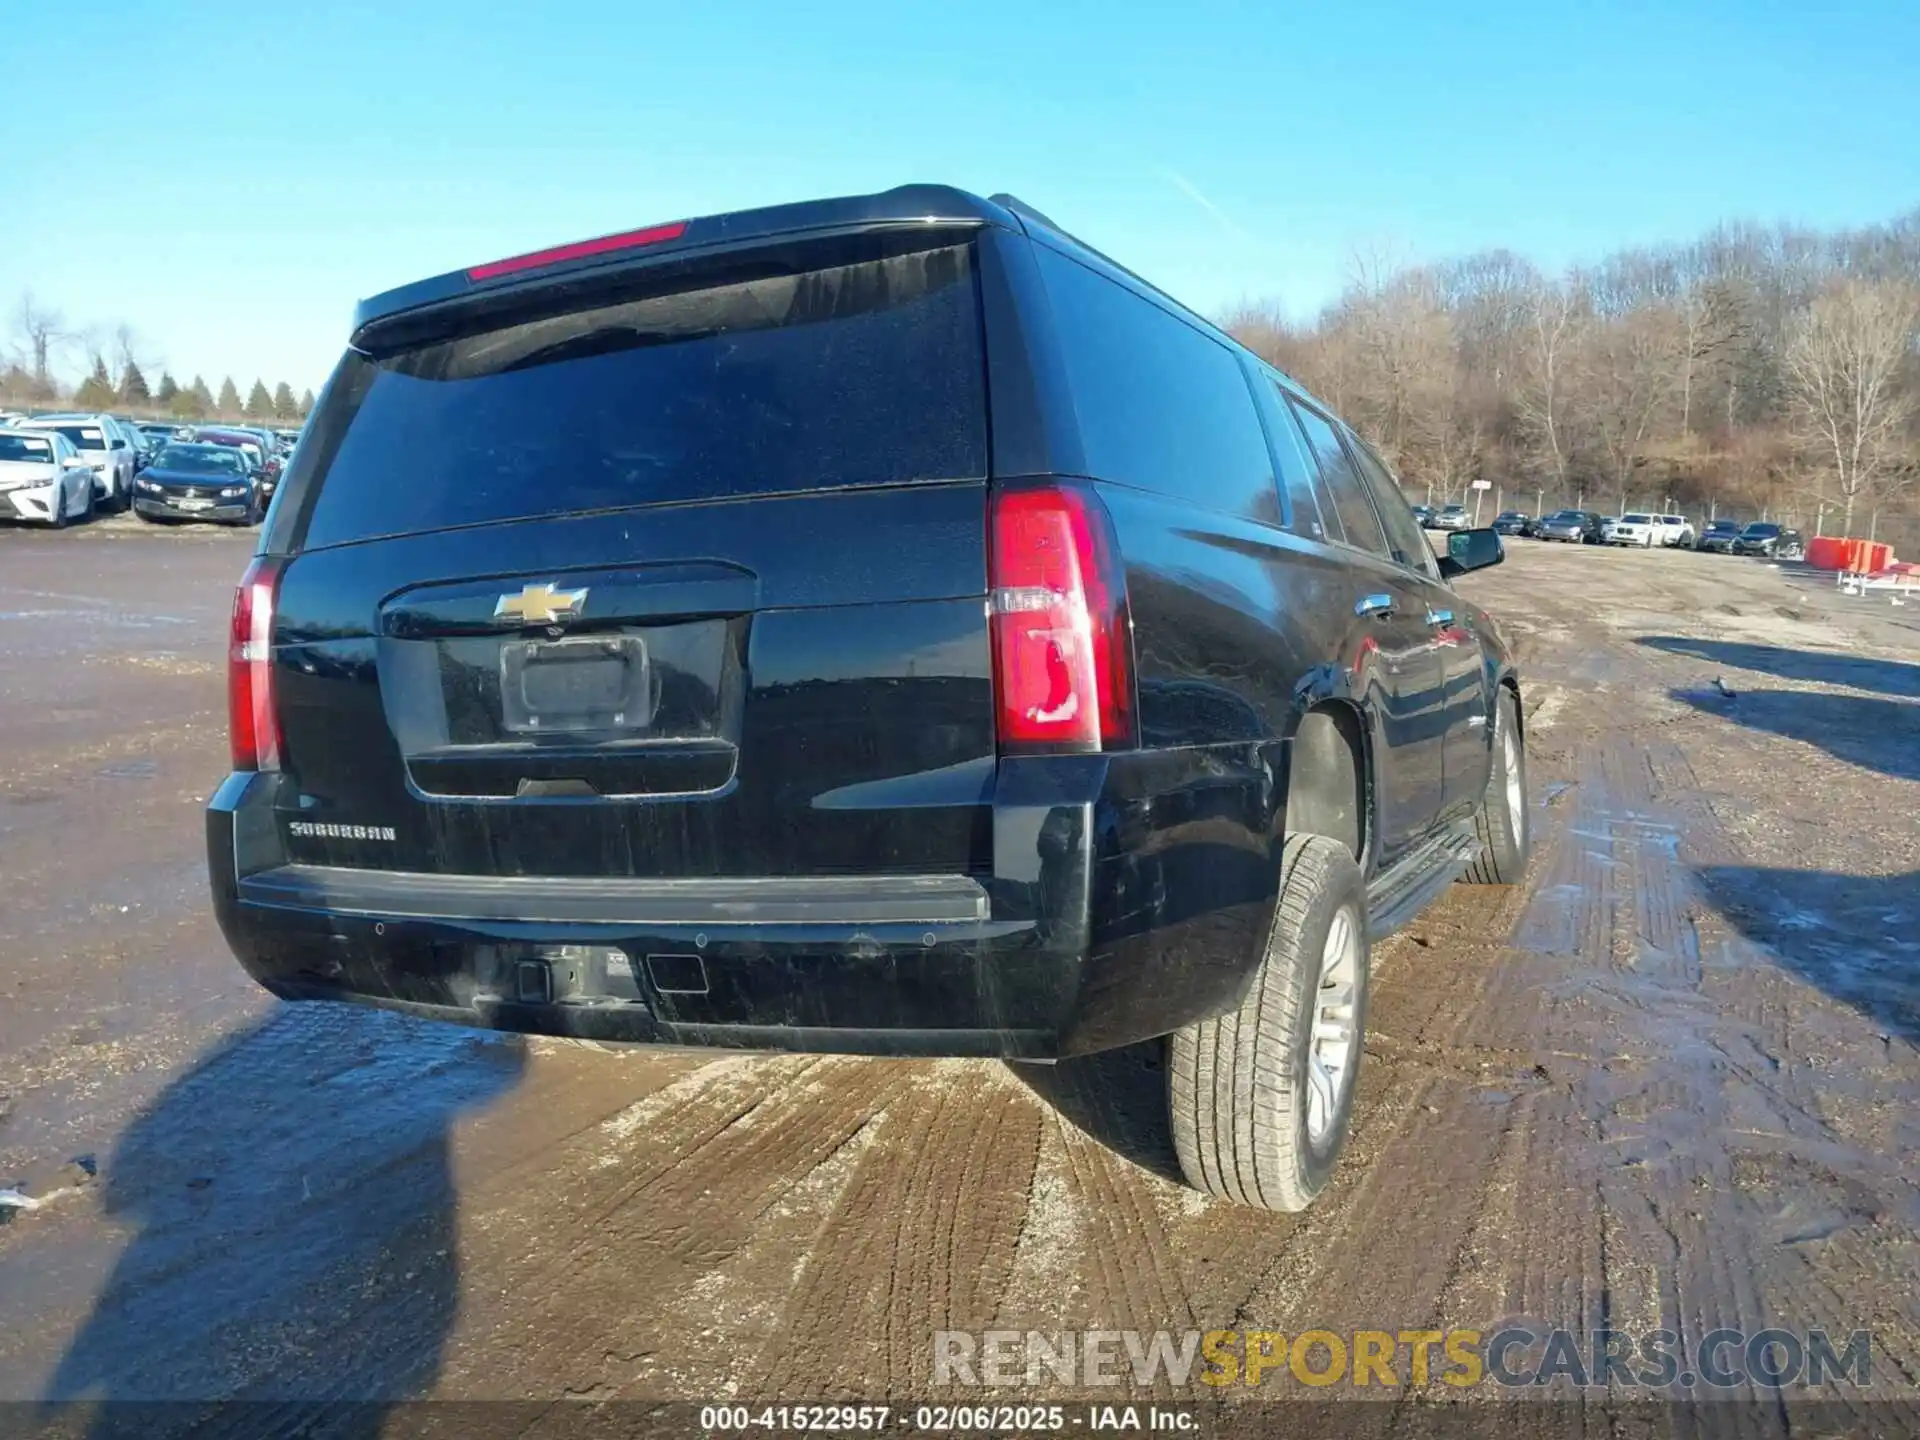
(540, 605)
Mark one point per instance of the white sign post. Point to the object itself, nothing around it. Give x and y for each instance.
(1480, 487)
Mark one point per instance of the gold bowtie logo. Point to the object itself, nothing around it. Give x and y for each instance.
(540, 605)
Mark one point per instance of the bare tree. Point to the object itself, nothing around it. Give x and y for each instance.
(1621, 372)
(41, 331)
(1540, 398)
(1844, 367)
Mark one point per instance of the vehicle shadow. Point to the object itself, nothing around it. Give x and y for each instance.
(1855, 937)
(1116, 1098)
(1883, 677)
(1875, 734)
(293, 1264)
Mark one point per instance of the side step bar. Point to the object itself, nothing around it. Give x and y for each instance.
(1398, 894)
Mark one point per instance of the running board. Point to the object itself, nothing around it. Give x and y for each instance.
(1398, 894)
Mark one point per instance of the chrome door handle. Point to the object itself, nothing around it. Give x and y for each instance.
(1439, 617)
(1373, 605)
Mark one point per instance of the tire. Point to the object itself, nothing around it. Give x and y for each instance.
(93, 507)
(60, 502)
(1242, 1102)
(1501, 822)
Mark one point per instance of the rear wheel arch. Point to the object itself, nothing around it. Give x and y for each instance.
(1328, 789)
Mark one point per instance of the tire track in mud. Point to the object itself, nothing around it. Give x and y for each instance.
(702, 1163)
(1696, 1068)
(1133, 1281)
(921, 1239)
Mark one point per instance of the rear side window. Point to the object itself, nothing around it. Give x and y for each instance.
(867, 373)
(1342, 484)
(1405, 539)
(1296, 467)
(1162, 405)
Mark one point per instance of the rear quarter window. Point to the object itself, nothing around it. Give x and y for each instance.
(866, 373)
(1161, 405)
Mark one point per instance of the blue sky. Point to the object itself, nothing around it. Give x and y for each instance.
(287, 160)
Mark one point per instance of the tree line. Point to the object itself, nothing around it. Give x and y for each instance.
(1755, 371)
(116, 379)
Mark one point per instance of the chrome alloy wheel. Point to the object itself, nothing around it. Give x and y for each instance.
(1331, 1056)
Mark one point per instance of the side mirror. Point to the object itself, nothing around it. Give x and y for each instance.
(1471, 550)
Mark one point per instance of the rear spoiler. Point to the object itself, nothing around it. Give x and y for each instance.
(935, 205)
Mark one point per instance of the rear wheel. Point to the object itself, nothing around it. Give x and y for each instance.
(1501, 821)
(1260, 1099)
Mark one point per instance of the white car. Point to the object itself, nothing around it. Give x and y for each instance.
(42, 478)
(1676, 530)
(103, 445)
(1634, 529)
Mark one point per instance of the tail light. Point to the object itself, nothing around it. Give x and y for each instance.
(252, 722)
(1062, 638)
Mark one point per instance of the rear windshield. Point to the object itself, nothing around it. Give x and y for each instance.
(26, 447)
(860, 374)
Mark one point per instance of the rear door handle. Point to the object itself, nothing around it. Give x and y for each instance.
(1373, 605)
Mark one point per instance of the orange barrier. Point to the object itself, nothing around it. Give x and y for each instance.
(1859, 557)
(1827, 552)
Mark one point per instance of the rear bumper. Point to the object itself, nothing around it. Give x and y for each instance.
(1129, 896)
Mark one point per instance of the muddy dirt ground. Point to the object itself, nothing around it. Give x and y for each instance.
(1671, 1080)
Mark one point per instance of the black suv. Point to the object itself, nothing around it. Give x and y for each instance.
(874, 625)
(1773, 541)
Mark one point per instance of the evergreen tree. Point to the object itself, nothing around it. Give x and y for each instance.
(283, 406)
(259, 403)
(133, 388)
(306, 403)
(168, 388)
(198, 397)
(96, 391)
(229, 401)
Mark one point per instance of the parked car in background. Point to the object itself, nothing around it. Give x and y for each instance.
(1206, 716)
(1424, 514)
(145, 446)
(103, 446)
(262, 452)
(1718, 536)
(1513, 522)
(1581, 527)
(1453, 517)
(159, 434)
(43, 480)
(1633, 528)
(1675, 530)
(199, 482)
(1773, 541)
